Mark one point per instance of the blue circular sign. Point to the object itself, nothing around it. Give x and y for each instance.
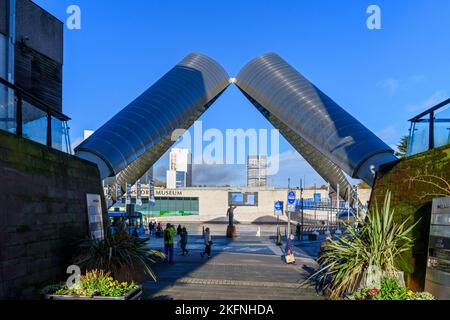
(278, 205)
(291, 197)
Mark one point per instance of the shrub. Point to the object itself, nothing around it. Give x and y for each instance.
(125, 257)
(391, 289)
(378, 243)
(94, 283)
(422, 296)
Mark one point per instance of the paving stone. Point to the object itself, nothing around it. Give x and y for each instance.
(234, 272)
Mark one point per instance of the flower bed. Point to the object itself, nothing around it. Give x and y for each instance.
(391, 289)
(95, 285)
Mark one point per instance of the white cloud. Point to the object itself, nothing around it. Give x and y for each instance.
(387, 134)
(293, 166)
(433, 100)
(218, 175)
(391, 85)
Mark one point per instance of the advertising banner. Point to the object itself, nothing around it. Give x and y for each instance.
(95, 218)
(128, 194)
(118, 194)
(138, 193)
(151, 188)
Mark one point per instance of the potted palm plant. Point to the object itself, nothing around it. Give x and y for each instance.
(113, 268)
(345, 262)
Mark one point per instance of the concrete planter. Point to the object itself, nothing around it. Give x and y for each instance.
(135, 294)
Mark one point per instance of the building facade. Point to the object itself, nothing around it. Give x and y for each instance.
(44, 191)
(211, 204)
(256, 171)
(179, 174)
(31, 62)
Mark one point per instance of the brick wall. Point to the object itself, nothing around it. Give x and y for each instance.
(42, 213)
(414, 182)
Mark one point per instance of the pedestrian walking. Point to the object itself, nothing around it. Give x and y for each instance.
(184, 241)
(208, 244)
(169, 233)
(289, 251)
(179, 230)
(150, 228)
(159, 230)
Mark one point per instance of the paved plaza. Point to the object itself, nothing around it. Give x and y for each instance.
(248, 267)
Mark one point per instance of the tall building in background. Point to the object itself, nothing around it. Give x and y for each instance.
(257, 171)
(179, 174)
(87, 134)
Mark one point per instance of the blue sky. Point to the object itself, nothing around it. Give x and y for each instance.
(382, 77)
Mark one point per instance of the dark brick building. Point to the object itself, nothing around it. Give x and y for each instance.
(43, 205)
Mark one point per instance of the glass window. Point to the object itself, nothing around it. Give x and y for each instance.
(164, 204)
(442, 127)
(180, 179)
(34, 123)
(419, 141)
(8, 120)
(172, 204)
(194, 205)
(3, 55)
(58, 134)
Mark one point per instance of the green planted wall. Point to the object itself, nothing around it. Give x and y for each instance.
(414, 182)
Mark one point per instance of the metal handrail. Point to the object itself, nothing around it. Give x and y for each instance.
(429, 111)
(20, 96)
(38, 103)
(431, 120)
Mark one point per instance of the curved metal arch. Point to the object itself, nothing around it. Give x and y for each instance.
(313, 117)
(173, 102)
(329, 138)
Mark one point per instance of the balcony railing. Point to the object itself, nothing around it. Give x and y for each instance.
(27, 116)
(430, 129)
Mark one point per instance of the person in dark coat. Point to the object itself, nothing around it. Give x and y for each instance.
(179, 230)
(184, 241)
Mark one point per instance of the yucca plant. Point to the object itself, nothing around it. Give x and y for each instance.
(377, 243)
(126, 257)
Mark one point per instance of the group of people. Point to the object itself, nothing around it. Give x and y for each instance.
(169, 240)
(155, 229)
(171, 234)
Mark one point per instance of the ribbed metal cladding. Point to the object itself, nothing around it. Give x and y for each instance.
(135, 138)
(329, 171)
(313, 116)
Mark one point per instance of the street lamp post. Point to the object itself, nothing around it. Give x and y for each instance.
(301, 209)
(289, 211)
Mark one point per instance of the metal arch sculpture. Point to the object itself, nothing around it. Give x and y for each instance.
(328, 137)
(144, 128)
(326, 130)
